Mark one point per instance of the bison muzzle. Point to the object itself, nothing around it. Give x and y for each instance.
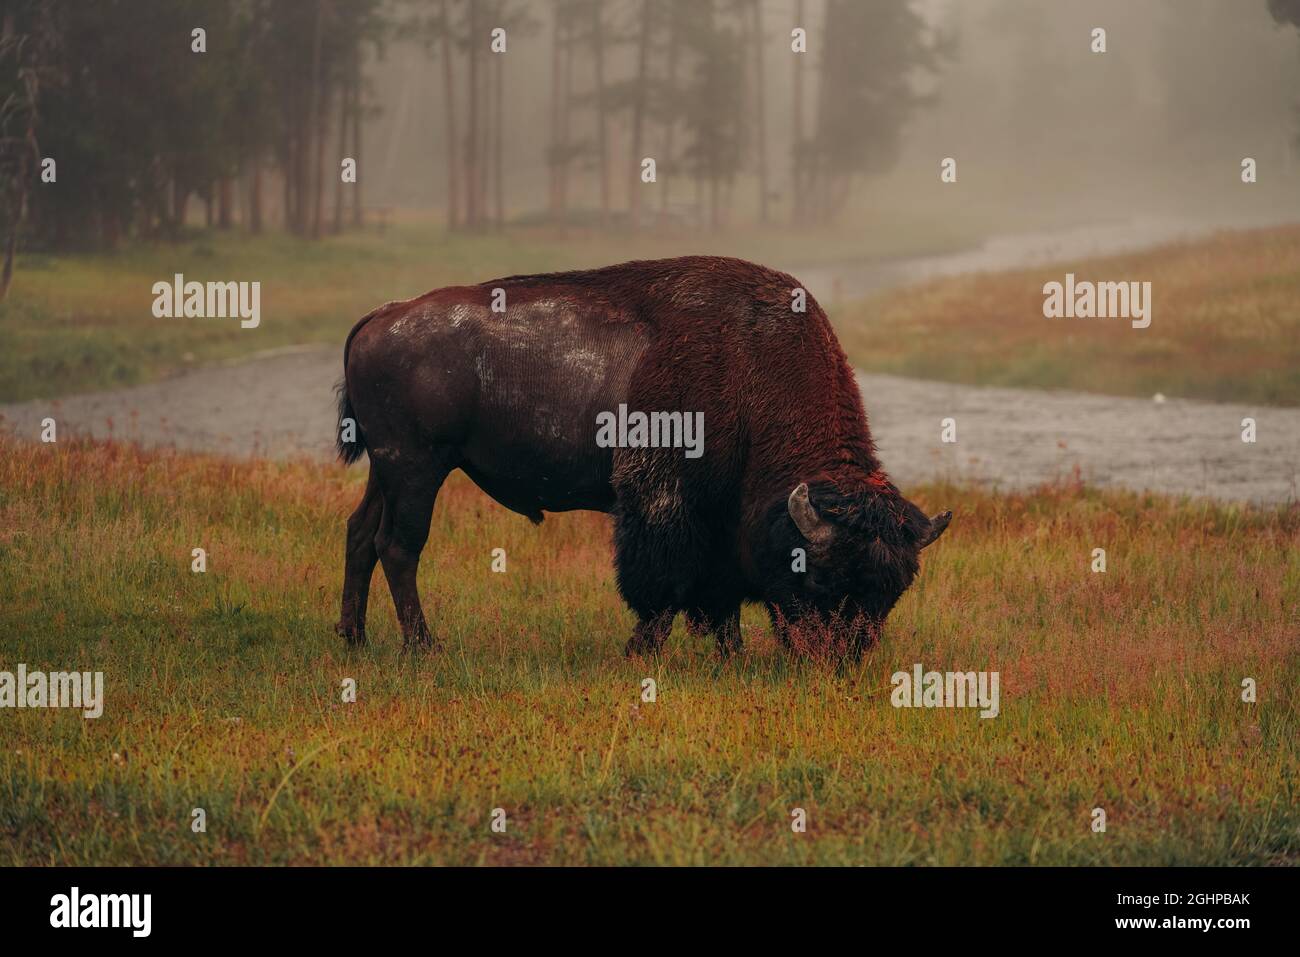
(507, 380)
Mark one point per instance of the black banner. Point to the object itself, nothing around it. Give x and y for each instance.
(337, 905)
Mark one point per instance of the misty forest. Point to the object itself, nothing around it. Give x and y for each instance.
(237, 114)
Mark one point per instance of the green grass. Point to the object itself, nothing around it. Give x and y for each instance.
(78, 323)
(1119, 690)
(1225, 325)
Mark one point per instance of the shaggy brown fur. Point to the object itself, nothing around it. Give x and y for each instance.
(443, 382)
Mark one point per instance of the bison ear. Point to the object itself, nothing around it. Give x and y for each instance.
(805, 516)
(937, 525)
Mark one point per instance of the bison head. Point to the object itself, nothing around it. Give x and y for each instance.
(862, 550)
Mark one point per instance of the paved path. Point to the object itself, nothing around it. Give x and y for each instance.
(281, 404)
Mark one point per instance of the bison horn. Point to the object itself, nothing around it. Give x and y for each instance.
(805, 516)
(937, 525)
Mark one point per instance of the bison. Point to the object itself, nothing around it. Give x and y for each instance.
(508, 380)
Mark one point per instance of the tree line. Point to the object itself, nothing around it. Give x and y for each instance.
(152, 110)
(695, 99)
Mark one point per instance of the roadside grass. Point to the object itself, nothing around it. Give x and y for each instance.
(1225, 325)
(1119, 690)
(78, 323)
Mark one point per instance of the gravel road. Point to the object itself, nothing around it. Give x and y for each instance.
(280, 404)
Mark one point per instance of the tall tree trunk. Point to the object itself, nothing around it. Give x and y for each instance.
(30, 152)
(566, 110)
(11, 249)
(498, 144)
(472, 123)
(553, 152)
(358, 117)
(255, 198)
(314, 129)
(449, 107)
(344, 107)
(289, 172)
(674, 38)
(697, 214)
(11, 243)
(602, 144)
(318, 201)
(484, 176)
(711, 152)
(27, 165)
(822, 187)
(756, 12)
(112, 229)
(180, 205)
(244, 202)
(296, 176)
(797, 173)
(225, 203)
(638, 114)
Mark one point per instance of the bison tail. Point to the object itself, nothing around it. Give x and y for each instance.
(349, 441)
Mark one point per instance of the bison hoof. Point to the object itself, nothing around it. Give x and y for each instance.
(420, 640)
(640, 649)
(353, 635)
(421, 646)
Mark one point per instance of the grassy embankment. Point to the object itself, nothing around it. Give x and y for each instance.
(1225, 325)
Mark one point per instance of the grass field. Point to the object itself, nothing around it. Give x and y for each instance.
(1225, 325)
(223, 690)
(78, 323)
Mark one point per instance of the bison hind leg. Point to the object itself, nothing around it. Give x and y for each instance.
(360, 558)
(409, 487)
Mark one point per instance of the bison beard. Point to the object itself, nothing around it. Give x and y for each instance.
(511, 397)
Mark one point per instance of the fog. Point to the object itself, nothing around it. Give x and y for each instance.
(1044, 130)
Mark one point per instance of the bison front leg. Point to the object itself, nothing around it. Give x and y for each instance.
(649, 634)
(359, 563)
(864, 634)
(780, 627)
(723, 623)
(727, 633)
